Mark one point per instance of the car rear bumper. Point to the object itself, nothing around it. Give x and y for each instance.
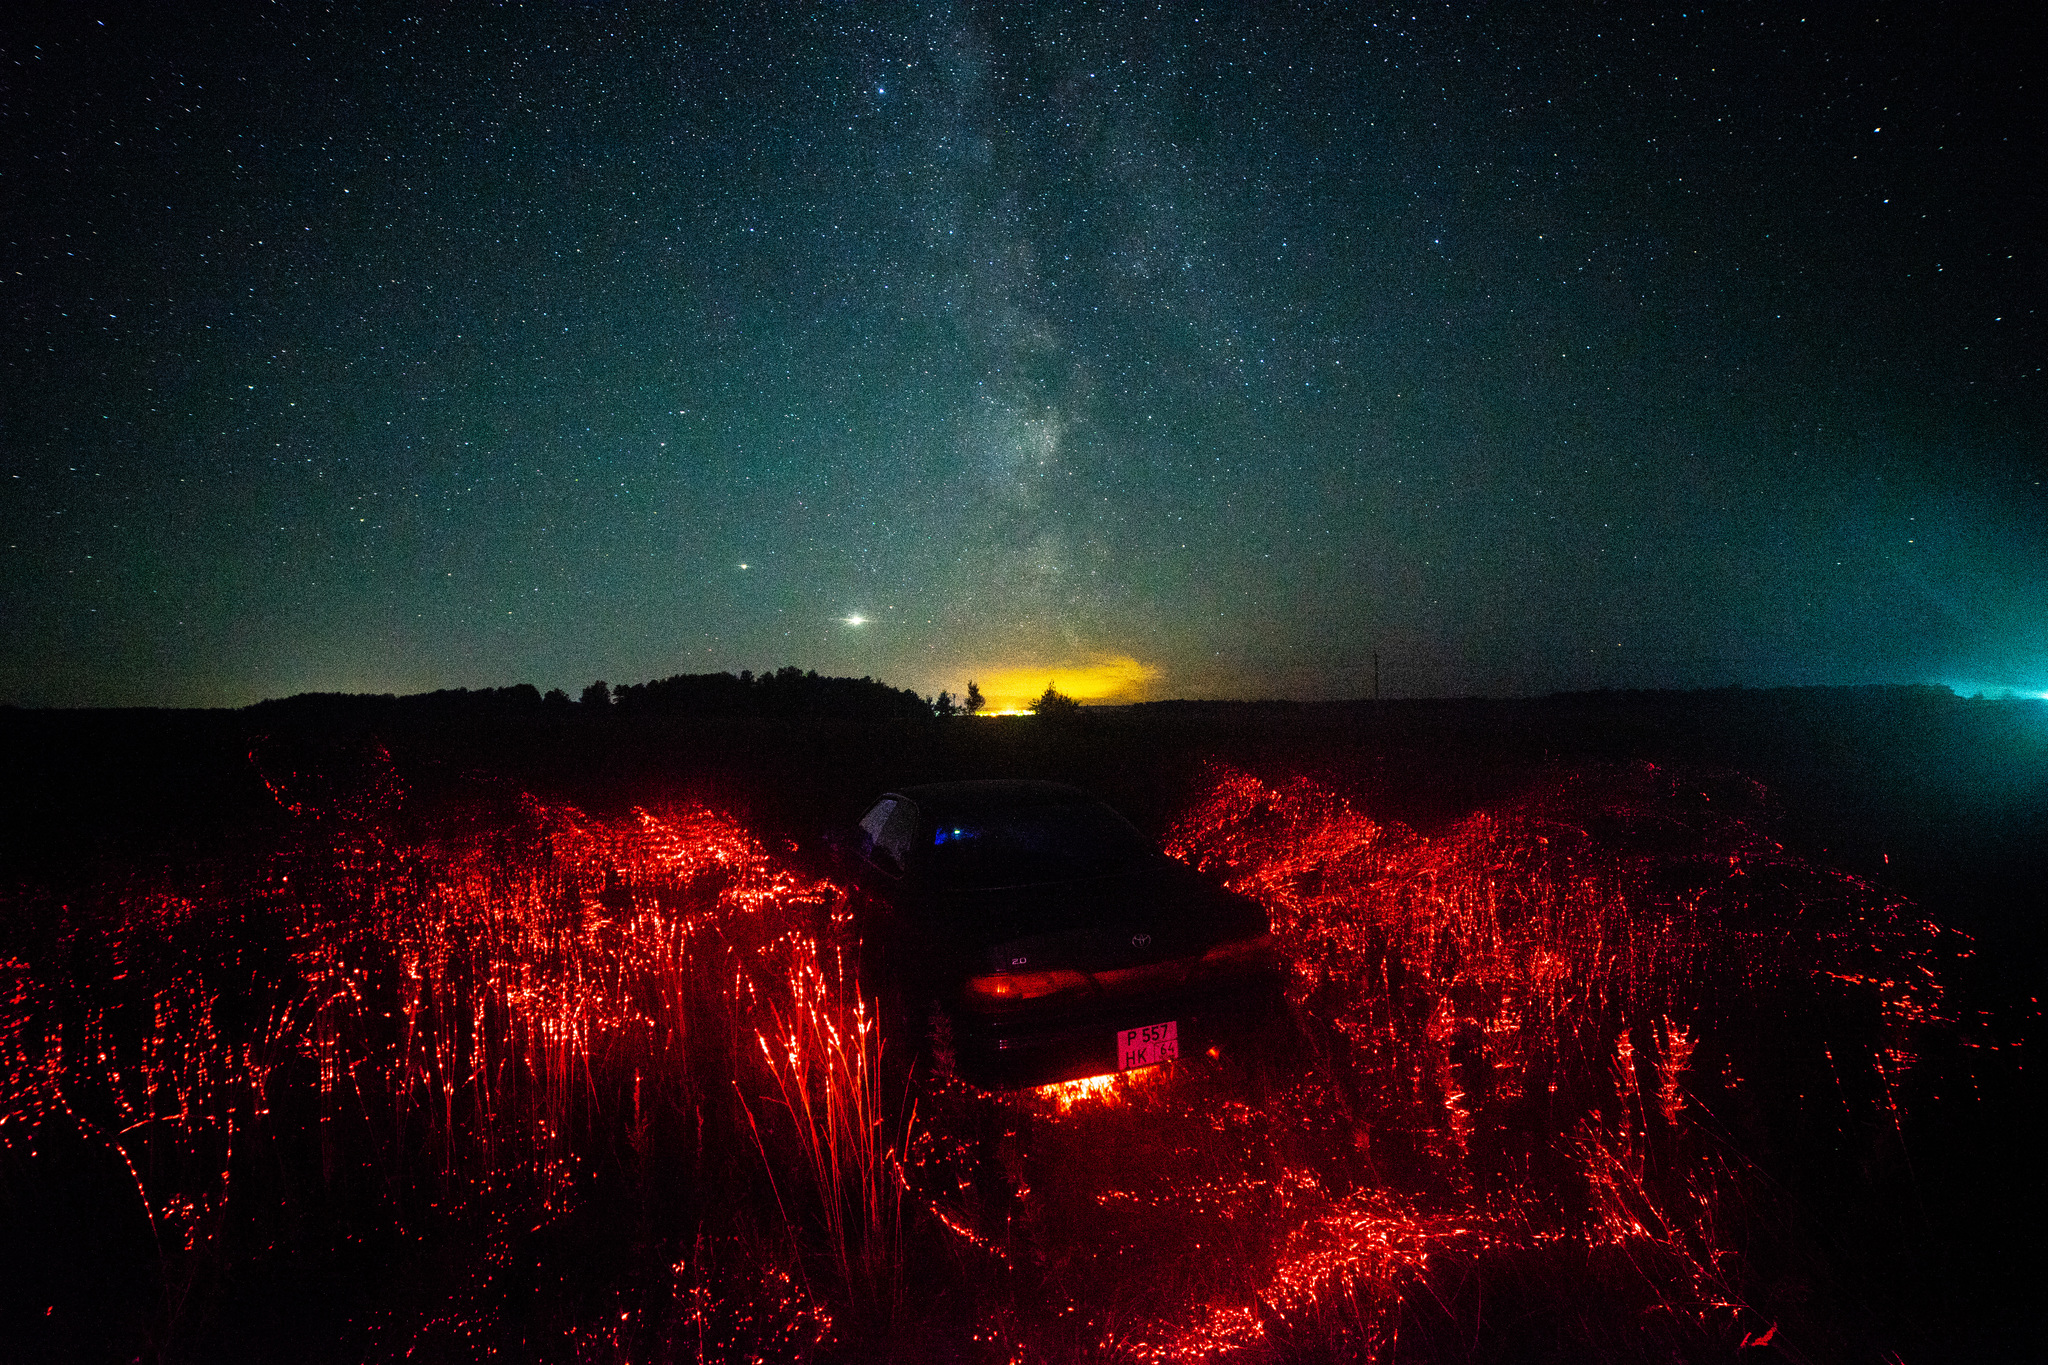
(1013, 1052)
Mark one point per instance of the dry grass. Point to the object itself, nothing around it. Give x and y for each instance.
(609, 1090)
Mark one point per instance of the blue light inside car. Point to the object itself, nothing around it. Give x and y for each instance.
(944, 835)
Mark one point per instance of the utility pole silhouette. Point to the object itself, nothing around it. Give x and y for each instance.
(1375, 675)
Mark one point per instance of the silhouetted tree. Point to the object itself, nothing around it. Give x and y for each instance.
(1053, 704)
(597, 694)
(974, 701)
(945, 705)
(555, 699)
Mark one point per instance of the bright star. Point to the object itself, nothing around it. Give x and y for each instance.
(855, 620)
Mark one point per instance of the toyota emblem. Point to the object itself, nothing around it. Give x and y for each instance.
(1141, 941)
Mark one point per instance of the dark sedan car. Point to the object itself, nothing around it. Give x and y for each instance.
(1043, 938)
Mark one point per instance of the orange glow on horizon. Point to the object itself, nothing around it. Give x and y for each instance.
(1013, 688)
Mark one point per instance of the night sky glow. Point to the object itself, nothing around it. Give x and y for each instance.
(1165, 351)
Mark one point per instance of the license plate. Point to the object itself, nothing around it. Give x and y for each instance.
(1147, 1046)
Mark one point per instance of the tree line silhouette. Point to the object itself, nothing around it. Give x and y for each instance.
(788, 691)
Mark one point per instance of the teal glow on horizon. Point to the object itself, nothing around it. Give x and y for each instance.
(1996, 691)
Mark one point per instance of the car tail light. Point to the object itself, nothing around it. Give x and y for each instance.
(1010, 988)
(1240, 952)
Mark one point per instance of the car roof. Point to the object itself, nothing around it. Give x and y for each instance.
(993, 794)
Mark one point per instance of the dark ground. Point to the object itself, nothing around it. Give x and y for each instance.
(1940, 799)
(1943, 799)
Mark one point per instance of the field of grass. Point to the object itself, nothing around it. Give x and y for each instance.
(430, 1068)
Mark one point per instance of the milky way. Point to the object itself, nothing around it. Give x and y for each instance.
(1195, 351)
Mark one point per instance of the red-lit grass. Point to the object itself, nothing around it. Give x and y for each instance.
(1492, 1078)
(824, 1051)
(609, 1089)
(467, 1032)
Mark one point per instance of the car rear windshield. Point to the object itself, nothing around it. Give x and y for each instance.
(1031, 844)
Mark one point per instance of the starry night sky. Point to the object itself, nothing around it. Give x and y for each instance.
(1162, 350)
